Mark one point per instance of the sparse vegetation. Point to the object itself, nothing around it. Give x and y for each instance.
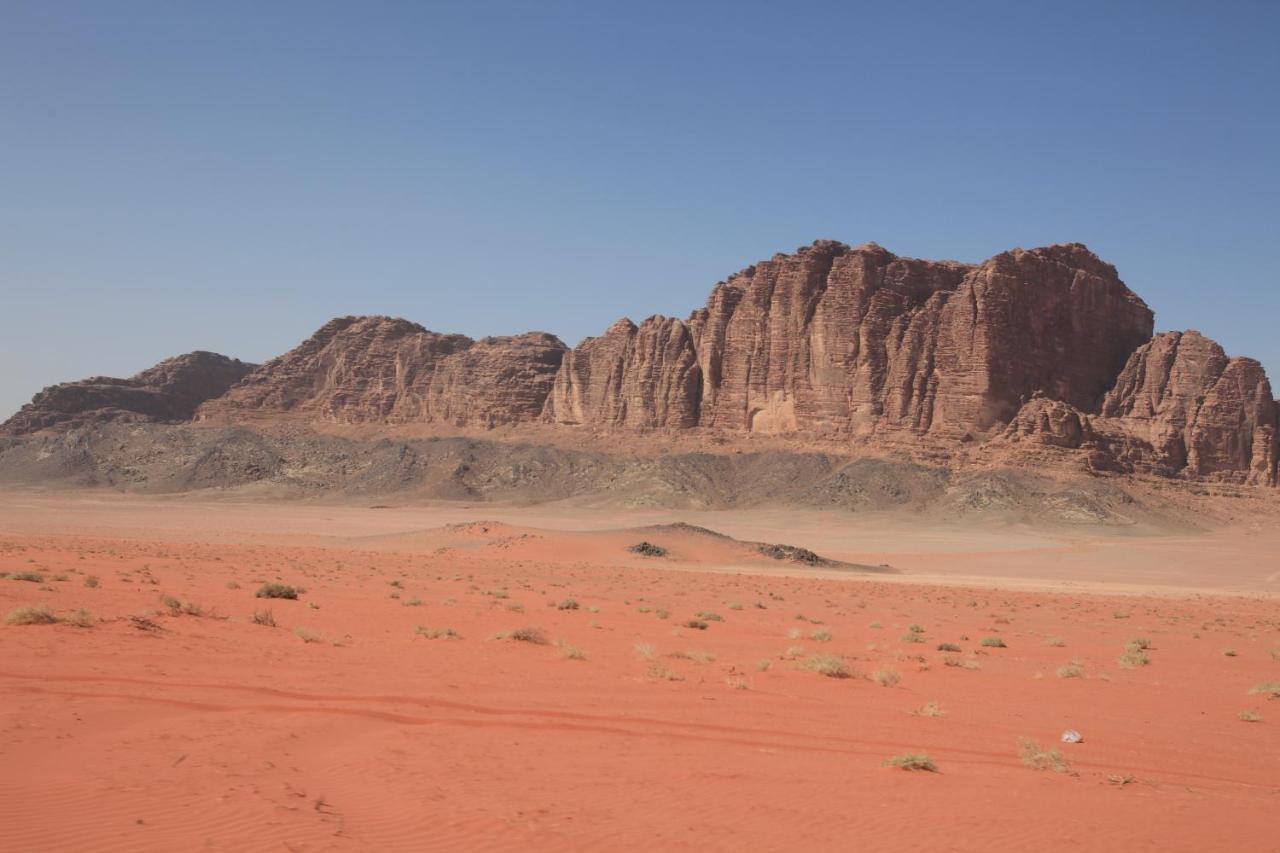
(1054, 641)
(569, 651)
(660, 671)
(1134, 656)
(1038, 757)
(435, 633)
(32, 614)
(30, 577)
(527, 635)
(1270, 689)
(912, 761)
(91, 581)
(1072, 669)
(568, 604)
(696, 624)
(645, 650)
(886, 676)
(963, 663)
(709, 616)
(993, 643)
(265, 618)
(277, 590)
(820, 635)
(930, 709)
(1250, 716)
(829, 665)
(948, 647)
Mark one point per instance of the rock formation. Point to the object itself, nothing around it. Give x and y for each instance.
(384, 370)
(169, 391)
(1042, 352)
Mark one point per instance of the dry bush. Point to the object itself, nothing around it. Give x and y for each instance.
(1038, 757)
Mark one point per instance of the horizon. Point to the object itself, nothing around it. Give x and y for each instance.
(228, 179)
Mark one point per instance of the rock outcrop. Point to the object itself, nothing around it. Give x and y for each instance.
(1041, 352)
(386, 370)
(1181, 405)
(169, 391)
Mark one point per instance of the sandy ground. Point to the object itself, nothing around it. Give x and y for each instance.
(344, 727)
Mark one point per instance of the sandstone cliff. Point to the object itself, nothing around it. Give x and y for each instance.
(386, 370)
(1041, 353)
(169, 391)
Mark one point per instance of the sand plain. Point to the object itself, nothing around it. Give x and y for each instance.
(680, 704)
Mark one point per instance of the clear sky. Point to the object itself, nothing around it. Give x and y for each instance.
(228, 176)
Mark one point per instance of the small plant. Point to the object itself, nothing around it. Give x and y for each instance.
(948, 647)
(646, 650)
(79, 618)
(435, 633)
(1229, 653)
(413, 602)
(963, 663)
(993, 643)
(307, 636)
(735, 605)
(30, 577)
(34, 614)
(277, 590)
(232, 585)
(1266, 688)
(930, 709)
(1134, 657)
(828, 665)
(91, 581)
(912, 638)
(570, 652)
(709, 616)
(1037, 757)
(763, 665)
(912, 761)
(916, 629)
(265, 618)
(661, 672)
(568, 604)
(820, 635)
(875, 625)
(1140, 643)
(173, 604)
(886, 676)
(1250, 716)
(1055, 641)
(528, 635)
(1071, 670)
(696, 624)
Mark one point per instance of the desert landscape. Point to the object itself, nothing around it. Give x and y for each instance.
(715, 426)
(479, 677)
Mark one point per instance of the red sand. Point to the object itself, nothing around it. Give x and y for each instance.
(217, 733)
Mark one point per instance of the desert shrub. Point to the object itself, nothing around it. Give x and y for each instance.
(709, 616)
(91, 581)
(413, 602)
(277, 590)
(696, 624)
(886, 676)
(570, 652)
(1140, 643)
(1134, 657)
(1054, 641)
(912, 638)
(528, 635)
(32, 614)
(30, 577)
(661, 672)
(948, 647)
(435, 633)
(1250, 716)
(1038, 757)
(568, 604)
(79, 618)
(963, 663)
(930, 709)
(916, 629)
(1071, 670)
(829, 665)
(821, 635)
(645, 650)
(1267, 688)
(264, 617)
(763, 665)
(307, 636)
(993, 643)
(912, 761)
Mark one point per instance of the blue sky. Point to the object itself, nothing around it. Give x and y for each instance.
(228, 176)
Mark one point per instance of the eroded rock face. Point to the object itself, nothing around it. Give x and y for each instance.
(1186, 407)
(386, 370)
(1049, 422)
(169, 391)
(642, 377)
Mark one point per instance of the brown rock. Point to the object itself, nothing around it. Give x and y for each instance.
(1049, 422)
(1185, 407)
(386, 370)
(639, 377)
(169, 391)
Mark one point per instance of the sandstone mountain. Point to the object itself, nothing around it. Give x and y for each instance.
(169, 391)
(1040, 355)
